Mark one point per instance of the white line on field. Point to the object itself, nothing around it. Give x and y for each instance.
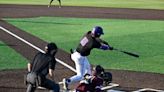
(148, 89)
(37, 48)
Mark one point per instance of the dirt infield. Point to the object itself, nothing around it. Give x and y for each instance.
(12, 80)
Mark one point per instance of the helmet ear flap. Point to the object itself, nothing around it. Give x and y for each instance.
(97, 31)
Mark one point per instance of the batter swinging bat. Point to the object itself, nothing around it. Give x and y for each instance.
(128, 53)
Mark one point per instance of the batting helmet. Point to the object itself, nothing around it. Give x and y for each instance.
(97, 31)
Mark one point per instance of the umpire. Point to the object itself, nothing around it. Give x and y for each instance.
(42, 65)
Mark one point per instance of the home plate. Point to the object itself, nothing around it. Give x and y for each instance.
(148, 90)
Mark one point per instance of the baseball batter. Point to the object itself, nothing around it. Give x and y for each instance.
(52, 1)
(42, 65)
(89, 41)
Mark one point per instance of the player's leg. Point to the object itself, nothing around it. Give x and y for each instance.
(50, 3)
(79, 64)
(87, 66)
(80, 69)
(51, 85)
(30, 88)
(31, 82)
(59, 3)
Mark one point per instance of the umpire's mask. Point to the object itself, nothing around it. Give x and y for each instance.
(51, 48)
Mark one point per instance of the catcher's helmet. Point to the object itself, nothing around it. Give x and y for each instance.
(99, 69)
(97, 31)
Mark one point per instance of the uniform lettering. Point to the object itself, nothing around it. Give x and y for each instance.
(84, 41)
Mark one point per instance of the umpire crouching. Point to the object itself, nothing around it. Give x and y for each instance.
(42, 65)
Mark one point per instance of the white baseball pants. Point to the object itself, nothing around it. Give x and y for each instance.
(82, 67)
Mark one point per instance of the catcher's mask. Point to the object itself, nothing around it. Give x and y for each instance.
(97, 31)
(51, 48)
(99, 70)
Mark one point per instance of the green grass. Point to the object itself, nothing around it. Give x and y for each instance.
(10, 59)
(144, 37)
(145, 4)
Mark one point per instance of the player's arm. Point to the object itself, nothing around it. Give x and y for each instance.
(29, 66)
(52, 68)
(51, 73)
(104, 45)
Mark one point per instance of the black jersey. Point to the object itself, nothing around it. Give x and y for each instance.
(87, 43)
(42, 63)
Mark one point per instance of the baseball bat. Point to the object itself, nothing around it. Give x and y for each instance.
(128, 53)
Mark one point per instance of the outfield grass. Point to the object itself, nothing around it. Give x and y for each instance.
(144, 37)
(145, 4)
(10, 59)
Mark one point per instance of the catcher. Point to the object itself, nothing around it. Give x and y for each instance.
(95, 82)
(42, 65)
